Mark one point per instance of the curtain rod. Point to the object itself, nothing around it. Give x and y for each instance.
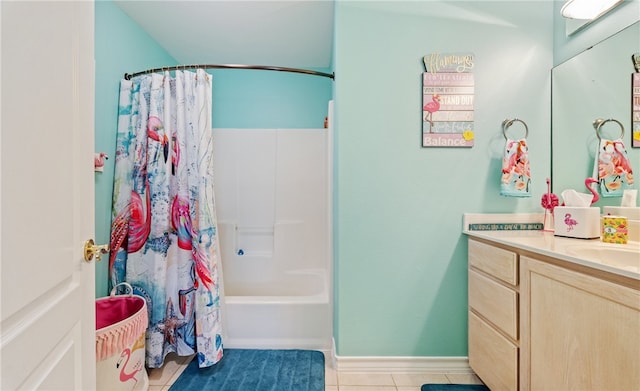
(128, 76)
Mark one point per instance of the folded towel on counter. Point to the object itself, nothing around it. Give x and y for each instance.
(516, 173)
(612, 168)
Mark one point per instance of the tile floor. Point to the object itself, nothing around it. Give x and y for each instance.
(162, 378)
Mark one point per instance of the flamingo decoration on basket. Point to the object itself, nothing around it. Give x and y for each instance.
(137, 367)
(549, 202)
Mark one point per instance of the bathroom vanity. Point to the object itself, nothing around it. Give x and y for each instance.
(548, 312)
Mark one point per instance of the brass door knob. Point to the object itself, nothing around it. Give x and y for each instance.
(91, 250)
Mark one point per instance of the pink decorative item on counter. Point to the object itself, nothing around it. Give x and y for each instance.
(549, 202)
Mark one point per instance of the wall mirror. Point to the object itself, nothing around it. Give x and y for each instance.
(595, 83)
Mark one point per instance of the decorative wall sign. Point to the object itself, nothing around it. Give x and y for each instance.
(635, 110)
(447, 100)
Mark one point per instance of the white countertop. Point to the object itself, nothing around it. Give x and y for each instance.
(585, 252)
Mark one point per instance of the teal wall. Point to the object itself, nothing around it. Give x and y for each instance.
(271, 100)
(121, 46)
(400, 258)
(241, 99)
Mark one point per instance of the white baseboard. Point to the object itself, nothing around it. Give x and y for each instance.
(321, 344)
(398, 364)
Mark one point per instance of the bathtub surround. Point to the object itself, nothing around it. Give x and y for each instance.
(272, 193)
(257, 370)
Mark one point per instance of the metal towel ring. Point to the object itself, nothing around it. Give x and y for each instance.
(599, 122)
(508, 122)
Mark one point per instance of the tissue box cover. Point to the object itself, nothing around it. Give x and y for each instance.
(614, 229)
(577, 222)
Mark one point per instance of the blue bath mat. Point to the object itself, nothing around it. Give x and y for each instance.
(454, 387)
(257, 370)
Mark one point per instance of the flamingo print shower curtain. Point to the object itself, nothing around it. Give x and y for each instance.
(163, 231)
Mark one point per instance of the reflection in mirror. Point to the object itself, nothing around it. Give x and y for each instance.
(581, 13)
(594, 84)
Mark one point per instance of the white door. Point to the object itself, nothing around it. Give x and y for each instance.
(47, 329)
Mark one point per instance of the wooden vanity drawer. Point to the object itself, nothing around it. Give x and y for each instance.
(492, 357)
(495, 302)
(500, 263)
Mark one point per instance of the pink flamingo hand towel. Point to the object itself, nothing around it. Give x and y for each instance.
(612, 168)
(516, 172)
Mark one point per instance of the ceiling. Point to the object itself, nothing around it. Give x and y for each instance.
(291, 33)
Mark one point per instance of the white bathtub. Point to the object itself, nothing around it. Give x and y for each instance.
(293, 312)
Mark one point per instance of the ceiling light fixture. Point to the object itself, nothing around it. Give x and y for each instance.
(587, 9)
